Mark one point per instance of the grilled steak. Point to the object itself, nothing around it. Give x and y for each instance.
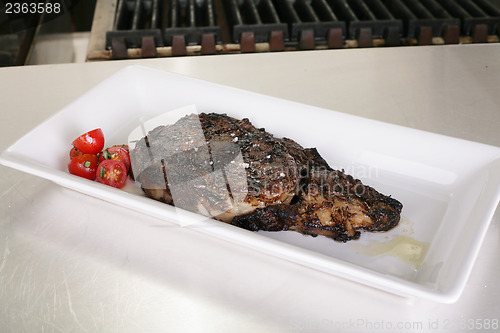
(228, 169)
(215, 165)
(329, 203)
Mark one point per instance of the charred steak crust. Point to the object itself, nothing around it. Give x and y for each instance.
(283, 187)
(228, 166)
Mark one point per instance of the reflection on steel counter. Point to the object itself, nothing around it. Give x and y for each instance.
(151, 28)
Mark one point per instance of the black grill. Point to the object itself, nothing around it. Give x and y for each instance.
(180, 27)
(135, 20)
(258, 18)
(191, 19)
(473, 14)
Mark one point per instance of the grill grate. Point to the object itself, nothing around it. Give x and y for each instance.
(261, 19)
(177, 27)
(136, 25)
(478, 18)
(368, 20)
(311, 22)
(192, 20)
(424, 20)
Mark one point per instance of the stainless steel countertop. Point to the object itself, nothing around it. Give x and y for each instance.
(67, 265)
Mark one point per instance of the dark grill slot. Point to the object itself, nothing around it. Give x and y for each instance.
(475, 16)
(311, 22)
(268, 12)
(343, 10)
(193, 14)
(155, 15)
(234, 13)
(124, 11)
(424, 19)
(134, 21)
(454, 8)
(325, 13)
(373, 15)
(380, 10)
(251, 13)
(138, 19)
(472, 8)
(363, 12)
(288, 13)
(436, 9)
(305, 11)
(398, 8)
(190, 21)
(367, 20)
(419, 10)
(488, 8)
(256, 22)
(137, 15)
(481, 16)
(174, 14)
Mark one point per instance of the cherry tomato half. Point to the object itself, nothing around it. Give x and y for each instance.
(112, 173)
(116, 153)
(91, 142)
(124, 147)
(74, 153)
(83, 166)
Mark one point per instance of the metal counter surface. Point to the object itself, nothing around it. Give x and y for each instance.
(74, 263)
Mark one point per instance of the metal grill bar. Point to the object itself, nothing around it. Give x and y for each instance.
(295, 24)
(268, 12)
(311, 22)
(488, 8)
(134, 21)
(137, 15)
(472, 17)
(257, 22)
(424, 20)
(252, 14)
(374, 16)
(324, 12)
(189, 21)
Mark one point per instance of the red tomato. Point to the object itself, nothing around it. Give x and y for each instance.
(116, 153)
(91, 142)
(84, 166)
(74, 152)
(112, 173)
(124, 147)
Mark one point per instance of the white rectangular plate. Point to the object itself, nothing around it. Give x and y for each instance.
(449, 187)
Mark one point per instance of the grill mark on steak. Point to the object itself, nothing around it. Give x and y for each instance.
(228, 169)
